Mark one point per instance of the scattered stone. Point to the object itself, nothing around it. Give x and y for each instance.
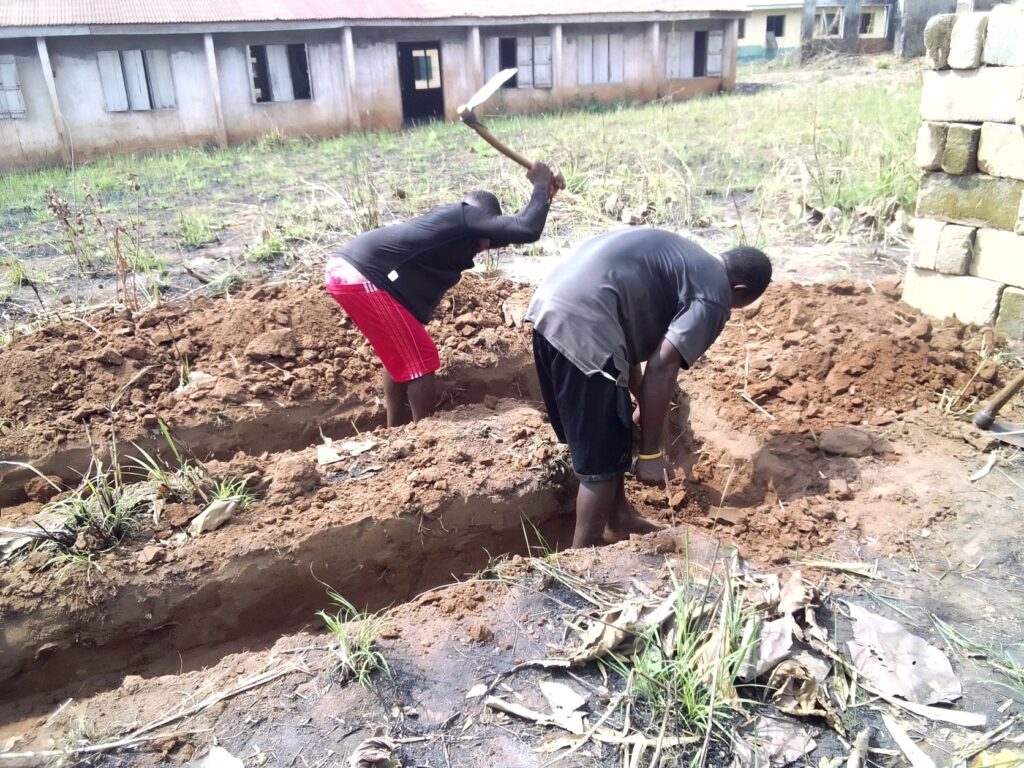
(228, 390)
(846, 441)
(727, 516)
(839, 489)
(40, 489)
(214, 516)
(469, 319)
(294, 476)
(108, 356)
(891, 286)
(300, 390)
(427, 476)
(152, 554)
(135, 351)
(277, 343)
(481, 633)
(132, 683)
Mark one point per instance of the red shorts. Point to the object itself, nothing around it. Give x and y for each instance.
(399, 339)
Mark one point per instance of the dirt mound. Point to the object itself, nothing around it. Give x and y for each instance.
(827, 355)
(217, 358)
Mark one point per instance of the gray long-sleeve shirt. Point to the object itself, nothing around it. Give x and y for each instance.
(619, 294)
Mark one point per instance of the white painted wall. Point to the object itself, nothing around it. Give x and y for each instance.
(92, 130)
(326, 114)
(31, 139)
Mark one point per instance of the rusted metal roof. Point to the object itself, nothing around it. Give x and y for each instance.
(50, 13)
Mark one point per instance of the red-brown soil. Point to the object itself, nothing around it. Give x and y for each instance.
(430, 500)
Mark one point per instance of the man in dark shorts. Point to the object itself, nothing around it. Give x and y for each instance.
(623, 298)
(391, 280)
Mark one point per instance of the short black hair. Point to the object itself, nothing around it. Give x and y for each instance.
(750, 267)
(483, 199)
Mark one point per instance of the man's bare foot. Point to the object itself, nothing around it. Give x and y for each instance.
(626, 524)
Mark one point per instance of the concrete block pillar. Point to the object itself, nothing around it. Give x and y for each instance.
(654, 59)
(220, 129)
(348, 52)
(807, 30)
(66, 150)
(559, 81)
(729, 55)
(476, 60)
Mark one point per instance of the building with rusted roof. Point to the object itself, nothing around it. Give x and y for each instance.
(80, 78)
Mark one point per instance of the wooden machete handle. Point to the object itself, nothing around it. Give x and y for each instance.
(506, 151)
(985, 418)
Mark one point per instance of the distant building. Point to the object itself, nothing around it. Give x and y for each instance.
(781, 27)
(773, 29)
(83, 78)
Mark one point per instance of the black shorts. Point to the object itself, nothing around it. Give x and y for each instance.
(592, 414)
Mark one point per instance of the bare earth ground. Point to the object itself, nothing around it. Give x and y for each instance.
(250, 384)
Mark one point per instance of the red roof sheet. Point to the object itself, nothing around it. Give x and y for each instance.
(44, 13)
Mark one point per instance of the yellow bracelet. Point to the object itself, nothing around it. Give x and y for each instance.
(650, 456)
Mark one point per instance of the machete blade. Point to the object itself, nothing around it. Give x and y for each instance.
(491, 87)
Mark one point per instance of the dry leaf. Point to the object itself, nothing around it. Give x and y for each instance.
(899, 663)
(796, 593)
(774, 743)
(798, 692)
(376, 752)
(561, 698)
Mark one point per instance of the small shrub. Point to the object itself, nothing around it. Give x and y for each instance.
(196, 228)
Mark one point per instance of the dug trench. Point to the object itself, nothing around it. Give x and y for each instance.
(431, 502)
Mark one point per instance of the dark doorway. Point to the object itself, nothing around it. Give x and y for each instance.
(700, 53)
(419, 75)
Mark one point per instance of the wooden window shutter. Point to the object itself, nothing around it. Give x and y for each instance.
(112, 80)
(161, 82)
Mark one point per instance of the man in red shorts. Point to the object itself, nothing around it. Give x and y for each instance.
(390, 281)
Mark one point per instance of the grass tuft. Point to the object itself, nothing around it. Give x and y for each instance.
(356, 633)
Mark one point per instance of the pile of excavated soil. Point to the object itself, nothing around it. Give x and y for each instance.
(826, 355)
(270, 345)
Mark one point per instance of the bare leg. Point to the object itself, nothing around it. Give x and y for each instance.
(421, 396)
(594, 504)
(395, 394)
(624, 520)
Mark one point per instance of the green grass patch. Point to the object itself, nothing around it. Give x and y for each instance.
(196, 228)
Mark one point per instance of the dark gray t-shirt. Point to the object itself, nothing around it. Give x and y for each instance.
(619, 294)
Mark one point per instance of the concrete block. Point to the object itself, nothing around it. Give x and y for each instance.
(937, 35)
(926, 242)
(931, 142)
(999, 256)
(968, 299)
(956, 243)
(960, 153)
(967, 40)
(1003, 43)
(1001, 151)
(1010, 320)
(972, 96)
(976, 200)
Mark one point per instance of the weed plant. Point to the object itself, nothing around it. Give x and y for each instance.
(356, 635)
